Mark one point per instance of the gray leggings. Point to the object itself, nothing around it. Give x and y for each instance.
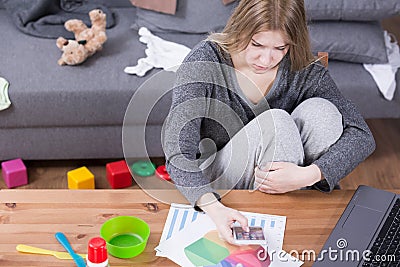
(300, 138)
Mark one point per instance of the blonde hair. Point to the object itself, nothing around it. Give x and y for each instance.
(254, 16)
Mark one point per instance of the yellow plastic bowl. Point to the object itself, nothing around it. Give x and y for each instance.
(125, 236)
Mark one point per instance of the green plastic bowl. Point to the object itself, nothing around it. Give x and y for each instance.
(125, 236)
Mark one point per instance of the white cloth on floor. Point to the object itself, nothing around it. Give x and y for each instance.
(4, 99)
(385, 74)
(160, 54)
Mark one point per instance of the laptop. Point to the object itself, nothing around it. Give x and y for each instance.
(367, 233)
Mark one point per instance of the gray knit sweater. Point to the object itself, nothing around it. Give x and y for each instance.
(206, 78)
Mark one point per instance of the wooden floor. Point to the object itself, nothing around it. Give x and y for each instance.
(392, 25)
(380, 170)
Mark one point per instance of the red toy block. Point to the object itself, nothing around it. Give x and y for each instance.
(14, 173)
(118, 174)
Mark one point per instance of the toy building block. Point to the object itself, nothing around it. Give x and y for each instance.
(80, 178)
(14, 173)
(118, 174)
(143, 168)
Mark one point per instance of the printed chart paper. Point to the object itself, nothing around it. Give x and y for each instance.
(190, 238)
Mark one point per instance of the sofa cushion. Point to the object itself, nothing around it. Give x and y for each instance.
(362, 10)
(44, 94)
(358, 42)
(195, 16)
(113, 3)
(192, 16)
(357, 84)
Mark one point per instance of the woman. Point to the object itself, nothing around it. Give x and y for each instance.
(253, 109)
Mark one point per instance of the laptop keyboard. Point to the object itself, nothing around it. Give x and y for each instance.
(386, 249)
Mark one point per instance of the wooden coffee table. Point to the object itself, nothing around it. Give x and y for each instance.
(32, 217)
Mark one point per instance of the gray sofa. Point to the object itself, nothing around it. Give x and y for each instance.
(75, 112)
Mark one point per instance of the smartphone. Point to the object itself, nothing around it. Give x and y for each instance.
(254, 237)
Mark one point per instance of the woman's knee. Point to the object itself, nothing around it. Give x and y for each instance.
(286, 137)
(318, 113)
(277, 120)
(320, 125)
(317, 108)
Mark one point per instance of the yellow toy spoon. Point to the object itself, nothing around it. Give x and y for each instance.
(35, 250)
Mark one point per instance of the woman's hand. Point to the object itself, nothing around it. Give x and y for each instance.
(224, 217)
(284, 177)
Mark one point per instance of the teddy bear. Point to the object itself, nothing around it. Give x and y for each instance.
(87, 40)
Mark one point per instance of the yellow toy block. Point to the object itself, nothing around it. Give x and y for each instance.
(80, 178)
